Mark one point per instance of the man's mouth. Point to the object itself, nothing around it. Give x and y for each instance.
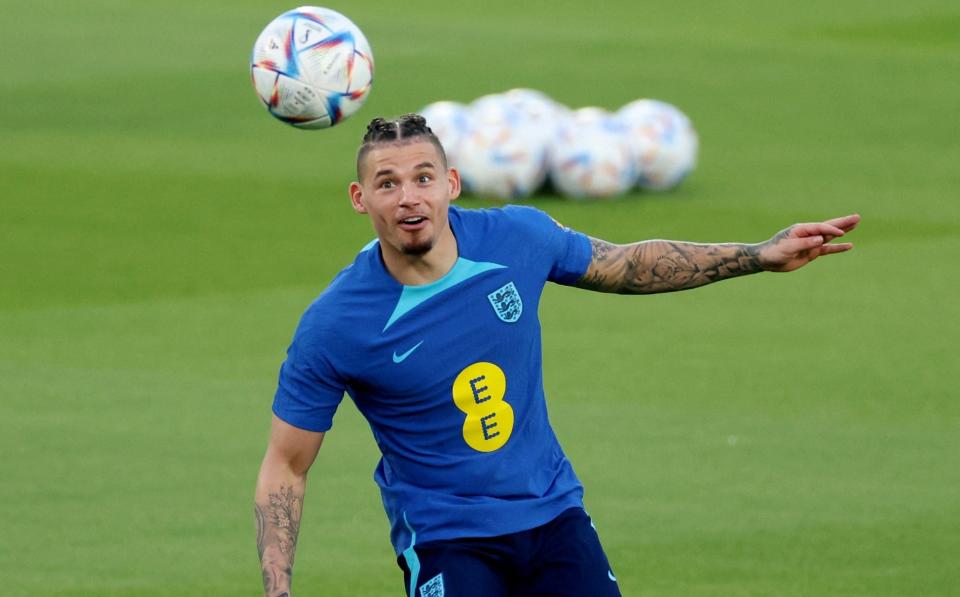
(412, 221)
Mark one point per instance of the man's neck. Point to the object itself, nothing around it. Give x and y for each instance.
(417, 270)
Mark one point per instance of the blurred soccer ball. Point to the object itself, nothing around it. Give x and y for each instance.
(312, 67)
(663, 141)
(591, 156)
(503, 155)
(538, 109)
(450, 122)
(541, 112)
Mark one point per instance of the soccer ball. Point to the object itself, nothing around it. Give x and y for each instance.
(591, 156)
(312, 67)
(541, 112)
(450, 122)
(503, 154)
(537, 108)
(664, 143)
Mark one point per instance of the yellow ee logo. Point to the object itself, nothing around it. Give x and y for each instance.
(478, 391)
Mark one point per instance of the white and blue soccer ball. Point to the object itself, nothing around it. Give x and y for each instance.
(542, 113)
(450, 122)
(503, 155)
(312, 67)
(591, 156)
(664, 142)
(539, 109)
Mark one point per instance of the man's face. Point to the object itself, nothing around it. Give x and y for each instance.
(406, 190)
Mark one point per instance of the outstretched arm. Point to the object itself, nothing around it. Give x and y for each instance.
(666, 266)
(279, 502)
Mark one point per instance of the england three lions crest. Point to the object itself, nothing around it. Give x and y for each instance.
(506, 302)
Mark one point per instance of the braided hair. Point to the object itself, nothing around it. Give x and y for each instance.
(405, 129)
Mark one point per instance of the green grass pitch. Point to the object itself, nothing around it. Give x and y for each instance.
(777, 435)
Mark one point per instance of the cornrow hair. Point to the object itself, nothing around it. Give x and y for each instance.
(408, 125)
(405, 129)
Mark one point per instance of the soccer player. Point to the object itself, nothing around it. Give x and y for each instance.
(433, 332)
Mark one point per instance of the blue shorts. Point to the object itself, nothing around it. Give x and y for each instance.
(560, 558)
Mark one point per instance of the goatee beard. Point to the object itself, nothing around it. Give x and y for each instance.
(418, 249)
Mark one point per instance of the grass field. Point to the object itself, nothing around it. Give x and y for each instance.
(777, 435)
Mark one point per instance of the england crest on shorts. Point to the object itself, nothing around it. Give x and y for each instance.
(506, 302)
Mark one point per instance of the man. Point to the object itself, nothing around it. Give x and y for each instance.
(433, 332)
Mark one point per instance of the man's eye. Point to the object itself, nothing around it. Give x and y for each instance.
(387, 184)
(425, 178)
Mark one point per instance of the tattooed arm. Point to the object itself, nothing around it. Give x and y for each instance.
(666, 265)
(279, 502)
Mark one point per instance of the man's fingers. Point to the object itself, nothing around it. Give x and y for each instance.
(845, 223)
(806, 243)
(817, 228)
(837, 248)
(818, 242)
(830, 229)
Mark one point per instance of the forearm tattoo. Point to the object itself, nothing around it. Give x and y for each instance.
(665, 265)
(278, 524)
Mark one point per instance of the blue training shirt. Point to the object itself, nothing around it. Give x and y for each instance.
(448, 375)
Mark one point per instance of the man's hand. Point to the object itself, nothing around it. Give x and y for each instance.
(800, 244)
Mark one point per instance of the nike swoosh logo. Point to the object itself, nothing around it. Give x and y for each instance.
(611, 576)
(401, 358)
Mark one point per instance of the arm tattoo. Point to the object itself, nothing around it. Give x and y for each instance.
(665, 265)
(278, 524)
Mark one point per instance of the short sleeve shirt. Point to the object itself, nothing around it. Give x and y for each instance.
(449, 377)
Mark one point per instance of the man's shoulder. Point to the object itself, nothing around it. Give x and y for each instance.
(502, 223)
(505, 213)
(348, 294)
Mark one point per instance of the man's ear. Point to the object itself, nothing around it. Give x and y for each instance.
(453, 182)
(356, 198)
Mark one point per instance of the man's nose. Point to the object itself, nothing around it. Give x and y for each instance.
(409, 194)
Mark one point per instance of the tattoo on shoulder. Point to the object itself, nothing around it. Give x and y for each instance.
(600, 249)
(598, 273)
